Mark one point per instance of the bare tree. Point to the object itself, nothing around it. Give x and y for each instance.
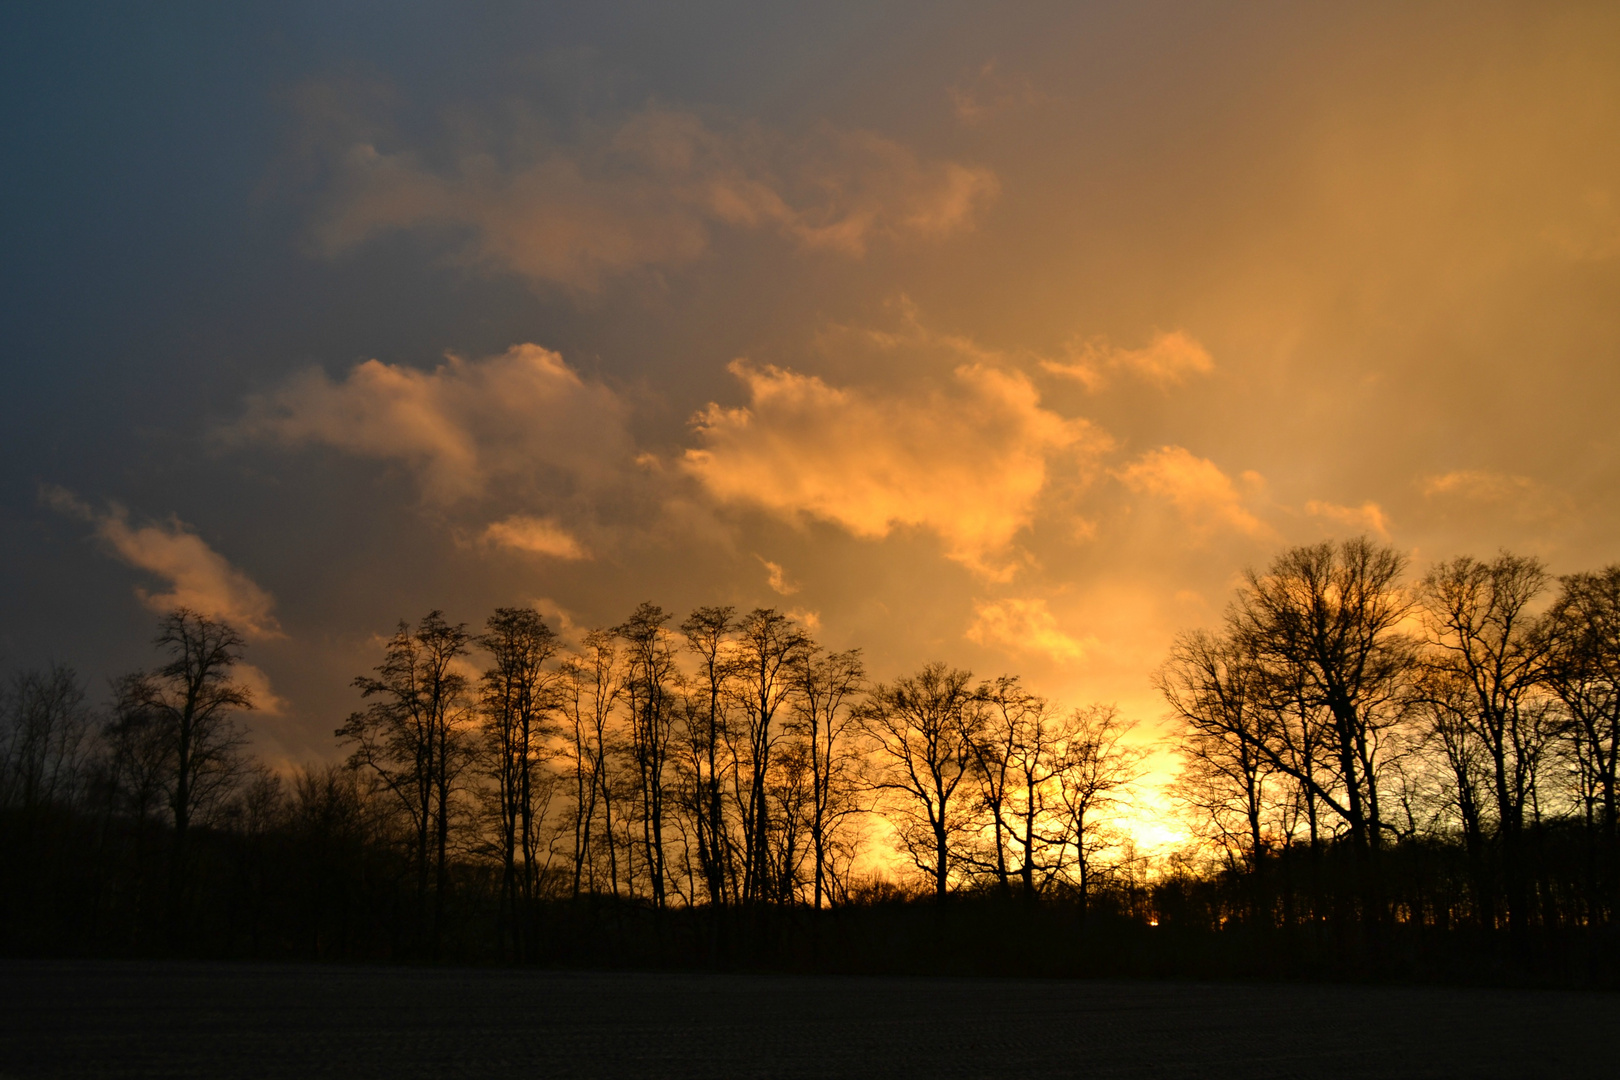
(1030, 811)
(1096, 770)
(650, 672)
(922, 728)
(414, 737)
(1582, 633)
(827, 705)
(1019, 756)
(46, 736)
(770, 651)
(1326, 623)
(1442, 701)
(518, 696)
(707, 632)
(592, 686)
(1483, 633)
(993, 745)
(187, 708)
(1218, 691)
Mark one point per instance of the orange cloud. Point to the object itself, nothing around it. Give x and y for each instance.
(535, 535)
(521, 416)
(1167, 360)
(967, 460)
(810, 620)
(648, 193)
(1368, 517)
(1479, 485)
(198, 577)
(1527, 499)
(1205, 496)
(1022, 626)
(266, 701)
(776, 577)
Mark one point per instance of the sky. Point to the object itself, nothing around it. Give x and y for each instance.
(1001, 335)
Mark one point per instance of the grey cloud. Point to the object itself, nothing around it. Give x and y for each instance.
(649, 193)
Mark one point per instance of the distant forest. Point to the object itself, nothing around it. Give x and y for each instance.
(1384, 777)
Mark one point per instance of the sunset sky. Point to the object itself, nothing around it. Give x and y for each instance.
(1004, 335)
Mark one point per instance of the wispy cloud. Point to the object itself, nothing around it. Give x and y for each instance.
(1479, 485)
(648, 193)
(196, 576)
(1526, 499)
(990, 92)
(776, 577)
(1167, 360)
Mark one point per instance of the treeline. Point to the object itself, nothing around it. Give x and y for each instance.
(1441, 755)
(725, 763)
(1379, 776)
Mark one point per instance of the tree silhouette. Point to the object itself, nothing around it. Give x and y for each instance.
(922, 727)
(1484, 641)
(1582, 633)
(518, 695)
(829, 688)
(770, 650)
(650, 671)
(1228, 744)
(1094, 770)
(707, 631)
(1325, 621)
(593, 683)
(185, 711)
(45, 739)
(413, 737)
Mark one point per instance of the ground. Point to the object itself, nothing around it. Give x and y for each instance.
(70, 1019)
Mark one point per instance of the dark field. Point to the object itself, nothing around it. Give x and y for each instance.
(184, 1020)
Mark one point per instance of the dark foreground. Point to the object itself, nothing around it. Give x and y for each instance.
(75, 1019)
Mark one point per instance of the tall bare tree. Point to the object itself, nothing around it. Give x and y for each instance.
(1020, 754)
(592, 686)
(1326, 620)
(708, 637)
(1483, 634)
(518, 696)
(1228, 745)
(1036, 759)
(650, 673)
(770, 651)
(829, 688)
(414, 737)
(1007, 704)
(1095, 772)
(922, 729)
(1582, 633)
(189, 709)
